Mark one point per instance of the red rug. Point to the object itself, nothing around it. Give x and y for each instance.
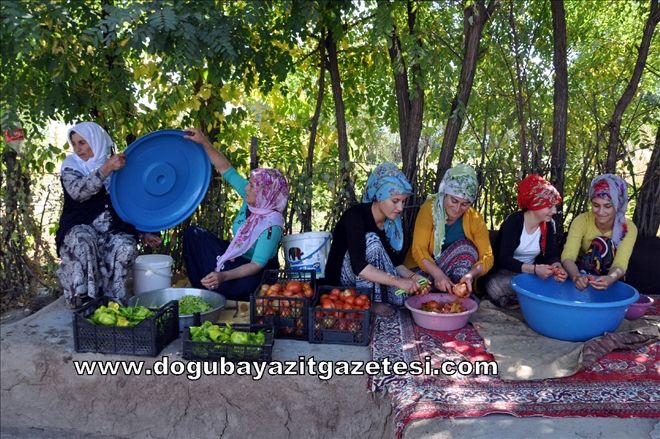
(623, 384)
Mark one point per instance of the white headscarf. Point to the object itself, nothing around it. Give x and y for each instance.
(100, 143)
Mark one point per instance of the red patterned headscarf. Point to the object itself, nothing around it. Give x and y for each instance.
(535, 193)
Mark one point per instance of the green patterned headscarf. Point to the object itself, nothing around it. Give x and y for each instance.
(459, 181)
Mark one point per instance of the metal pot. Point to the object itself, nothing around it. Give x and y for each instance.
(156, 298)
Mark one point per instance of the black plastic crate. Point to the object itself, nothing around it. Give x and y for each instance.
(202, 350)
(287, 314)
(340, 326)
(147, 338)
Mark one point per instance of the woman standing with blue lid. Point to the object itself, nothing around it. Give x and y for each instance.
(234, 268)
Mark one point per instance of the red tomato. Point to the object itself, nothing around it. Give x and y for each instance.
(350, 300)
(460, 290)
(348, 292)
(294, 285)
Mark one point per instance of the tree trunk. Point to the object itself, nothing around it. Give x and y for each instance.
(560, 102)
(647, 209)
(306, 217)
(410, 110)
(474, 19)
(342, 138)
(520, 100)
(254, 153)
(14, 280)
(643, 52)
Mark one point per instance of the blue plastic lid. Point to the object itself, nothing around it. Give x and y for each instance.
(163, 182)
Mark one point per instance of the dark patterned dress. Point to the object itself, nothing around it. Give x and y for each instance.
(97, 254)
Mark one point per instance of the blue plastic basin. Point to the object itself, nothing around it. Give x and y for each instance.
(561, 311)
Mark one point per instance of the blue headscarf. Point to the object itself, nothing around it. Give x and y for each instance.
(387, 181)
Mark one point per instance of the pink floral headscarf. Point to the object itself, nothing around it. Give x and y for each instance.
(272, 194)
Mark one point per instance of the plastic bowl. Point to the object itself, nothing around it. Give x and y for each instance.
(639, 308)
(437, 321)
(157, 298)
(559, 310)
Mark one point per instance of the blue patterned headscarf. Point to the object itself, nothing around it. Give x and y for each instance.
(387, 181)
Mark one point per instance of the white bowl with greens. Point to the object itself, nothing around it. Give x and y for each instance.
(191, 300)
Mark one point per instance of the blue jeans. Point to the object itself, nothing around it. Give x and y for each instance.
(200, 252)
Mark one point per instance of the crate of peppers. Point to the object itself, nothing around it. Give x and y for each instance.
(238, 342)
(107, 327)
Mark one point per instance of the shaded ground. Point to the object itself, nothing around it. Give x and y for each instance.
(42, 397)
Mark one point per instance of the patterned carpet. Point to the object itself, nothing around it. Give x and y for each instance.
(621, 384)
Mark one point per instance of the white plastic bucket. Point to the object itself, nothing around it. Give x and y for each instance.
(152, 272)
(307, 251)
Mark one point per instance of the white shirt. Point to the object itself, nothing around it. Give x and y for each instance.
(529, 247)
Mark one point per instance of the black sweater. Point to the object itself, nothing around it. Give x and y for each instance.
(85, 212)
(508, 241)
(349, 235)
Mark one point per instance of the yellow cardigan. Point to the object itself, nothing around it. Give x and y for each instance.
(475, 230)
(583, 230)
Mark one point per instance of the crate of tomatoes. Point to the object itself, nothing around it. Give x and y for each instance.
(341, 315)
(283, 300)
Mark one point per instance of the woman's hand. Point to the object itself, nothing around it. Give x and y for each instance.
(442, 283)
(114, 163)
(218, 159)
(151, 239)
(467, 280)
(213, 280)
(424, 287)
(559, 272)
(408, 285)
(602, 282)
(197, 136)
(581, 282)
(543, 271)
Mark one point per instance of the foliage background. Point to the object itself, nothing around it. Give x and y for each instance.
(250, 69)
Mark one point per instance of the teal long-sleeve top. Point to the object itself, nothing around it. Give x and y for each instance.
(265, 247)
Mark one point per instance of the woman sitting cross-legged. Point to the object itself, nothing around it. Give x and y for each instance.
(526, 242)
(600, 242)
(450, 241)
(235, 268)
(367, 243)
